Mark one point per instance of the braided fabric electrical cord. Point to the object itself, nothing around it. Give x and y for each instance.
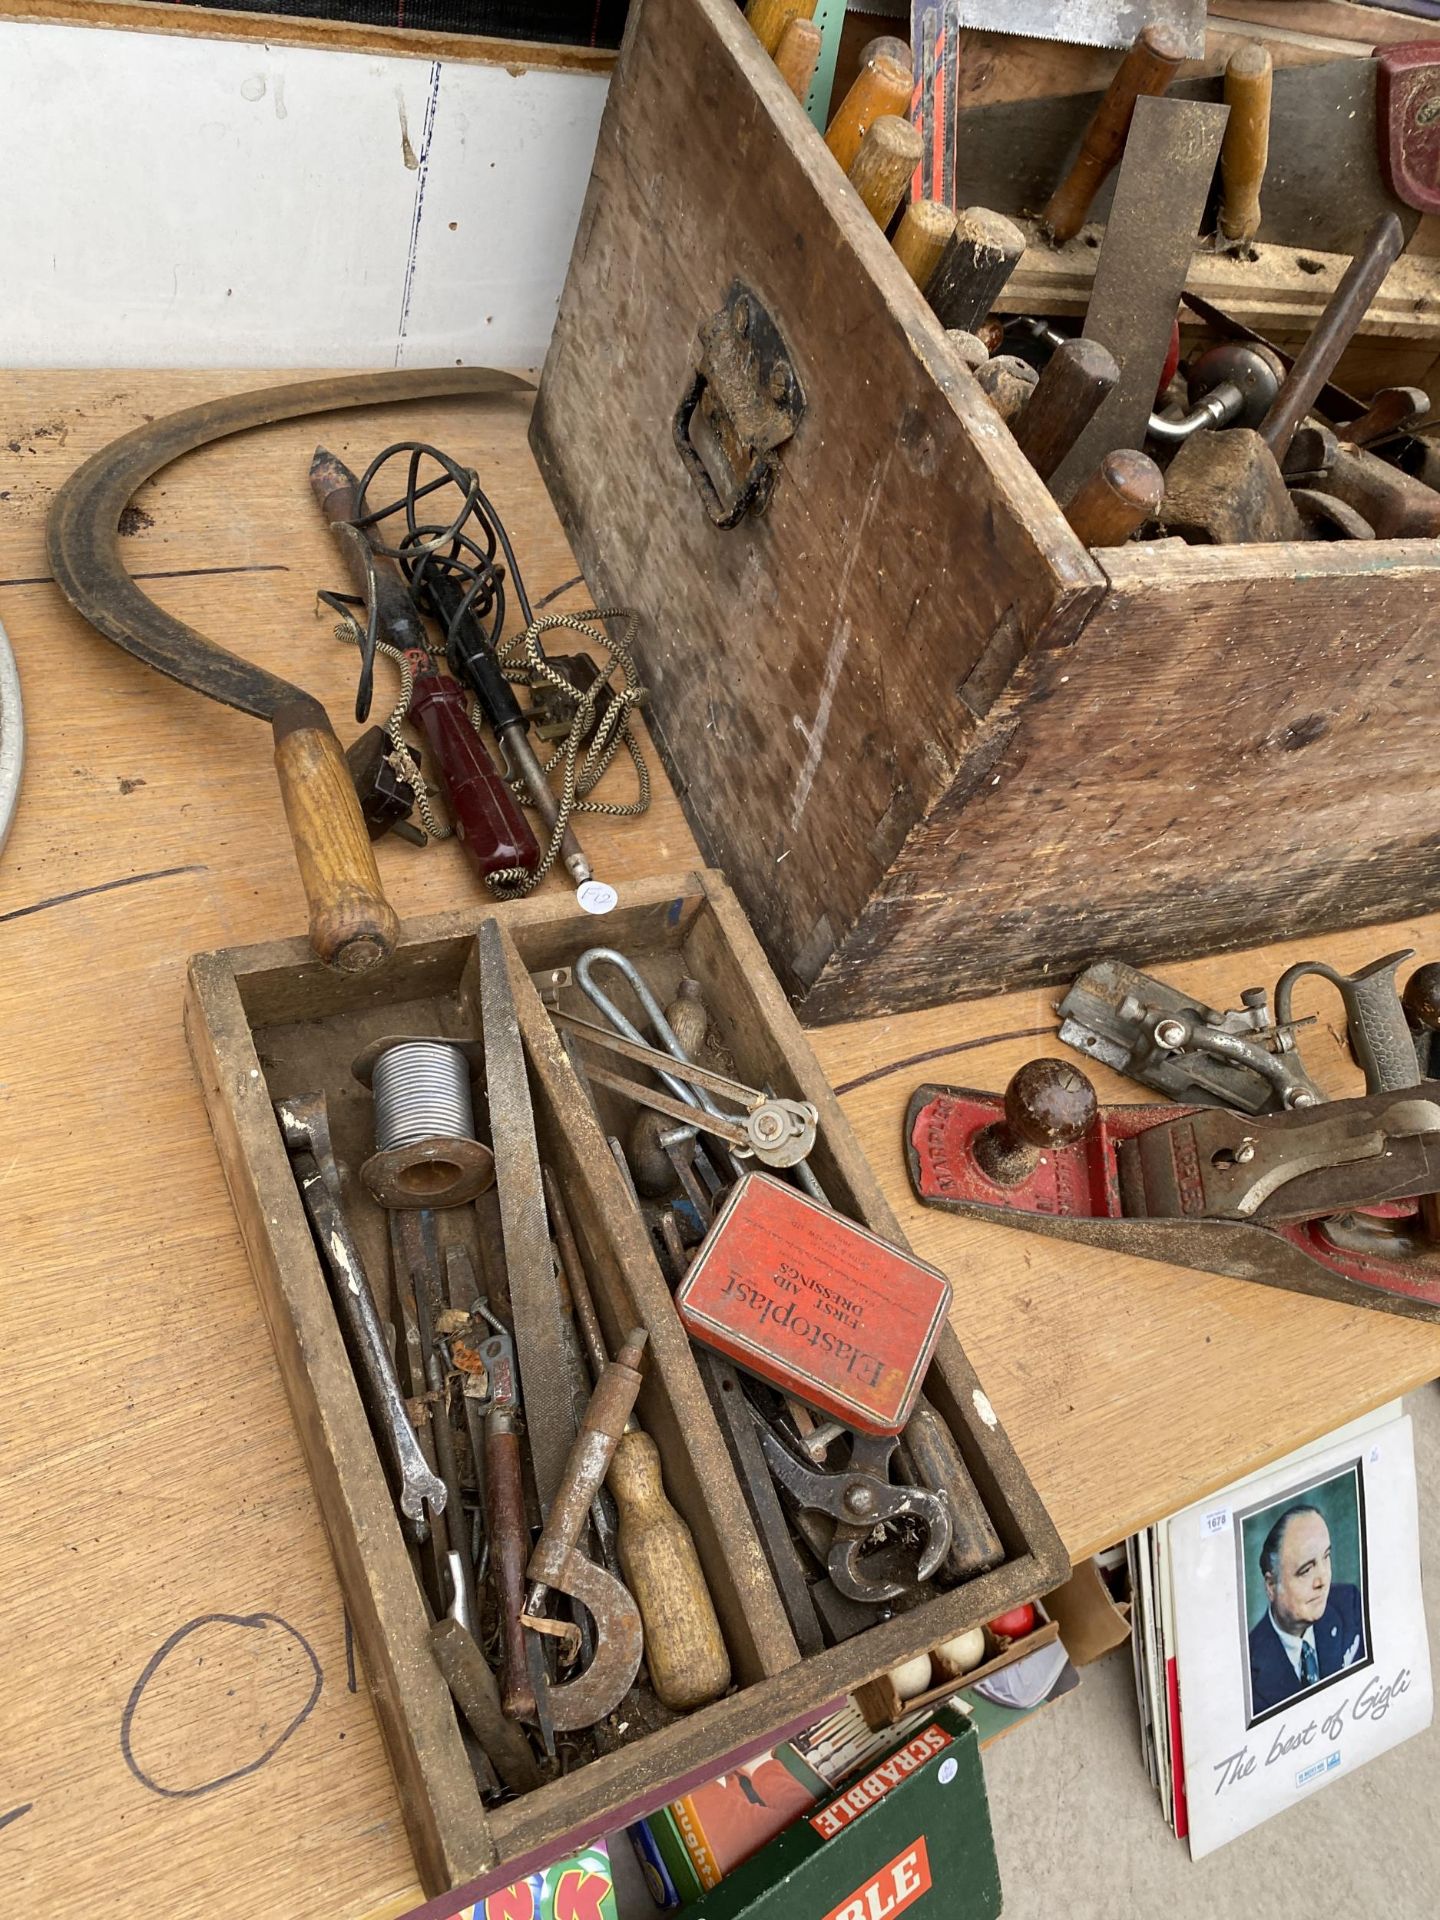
(460, 554)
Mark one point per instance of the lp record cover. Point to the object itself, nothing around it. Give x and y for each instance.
(1300, 1629)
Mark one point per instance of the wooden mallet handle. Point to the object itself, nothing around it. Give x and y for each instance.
(1076, 378)
(1248, 82)
(1124, 492)
(352, 924)
(1149, 67)
(881, 170)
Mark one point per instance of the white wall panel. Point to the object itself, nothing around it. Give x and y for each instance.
(185, 202)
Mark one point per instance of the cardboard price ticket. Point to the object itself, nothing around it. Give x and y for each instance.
(815, 1304)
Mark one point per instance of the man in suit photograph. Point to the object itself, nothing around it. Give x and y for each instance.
(1311, 1628)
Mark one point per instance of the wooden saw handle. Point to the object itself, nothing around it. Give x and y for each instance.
(1149, 67)
(352, 925)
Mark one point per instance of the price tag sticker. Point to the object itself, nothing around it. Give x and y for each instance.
(1216, 1521)
(595, 896)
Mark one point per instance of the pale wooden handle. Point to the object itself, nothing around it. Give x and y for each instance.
(798, 55)
(769, 18)
(1122, 494)
(684, 1648)
(1243, 157)
(1149, 67)
(881, 170)
(882, 87)
(352, 924)
(920, 238)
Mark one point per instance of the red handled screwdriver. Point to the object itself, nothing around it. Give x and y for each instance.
(488, 822)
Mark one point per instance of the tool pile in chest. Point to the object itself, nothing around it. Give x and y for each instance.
(640, 1435)
(1026, 496)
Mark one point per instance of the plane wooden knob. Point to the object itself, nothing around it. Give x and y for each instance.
(1048, 1104)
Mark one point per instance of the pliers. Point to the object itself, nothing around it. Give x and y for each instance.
(859, 1498)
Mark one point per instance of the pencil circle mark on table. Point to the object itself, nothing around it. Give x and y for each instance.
(256, 1622)
(941, 1053)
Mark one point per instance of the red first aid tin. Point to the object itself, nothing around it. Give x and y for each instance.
(818, 1306)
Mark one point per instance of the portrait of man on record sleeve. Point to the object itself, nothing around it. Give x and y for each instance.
(1304, 1584)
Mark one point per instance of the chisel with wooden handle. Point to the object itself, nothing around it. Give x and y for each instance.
(798, 55)
(1124, 492)
(979, 257)
(1245, 152)
(920, 238)
(1148, 68)
(881, 86)
(769, 19)
(1073, 382)
(881, 170)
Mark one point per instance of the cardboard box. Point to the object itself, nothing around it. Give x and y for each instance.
(909, 1835)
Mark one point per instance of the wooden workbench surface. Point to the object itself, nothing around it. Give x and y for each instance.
(184, 1732)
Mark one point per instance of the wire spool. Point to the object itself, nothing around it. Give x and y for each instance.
(426, 1153)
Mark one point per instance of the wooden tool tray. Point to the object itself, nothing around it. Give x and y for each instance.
(268, 1021)
(937, 746)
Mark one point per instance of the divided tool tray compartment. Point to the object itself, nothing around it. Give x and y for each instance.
(937, 746)
(268, 1021)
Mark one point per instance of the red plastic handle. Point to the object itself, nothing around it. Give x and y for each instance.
(488, 821)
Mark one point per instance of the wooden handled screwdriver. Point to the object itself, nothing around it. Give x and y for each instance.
(1148, 68)
(684, 1648)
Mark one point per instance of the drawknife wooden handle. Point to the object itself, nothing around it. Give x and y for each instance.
(352, 924)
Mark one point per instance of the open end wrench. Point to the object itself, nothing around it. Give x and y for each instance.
(860, 1497)
(305, 1124)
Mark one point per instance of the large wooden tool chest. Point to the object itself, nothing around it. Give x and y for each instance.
(937, 746)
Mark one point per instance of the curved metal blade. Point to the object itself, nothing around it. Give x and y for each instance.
(82, 535)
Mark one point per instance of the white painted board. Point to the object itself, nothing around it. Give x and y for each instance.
(178, 202)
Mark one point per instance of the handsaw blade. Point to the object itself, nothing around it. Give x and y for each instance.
(1089, 23)
(82, 535)
(1140, 275)
(1323, 186)
(536, 1307)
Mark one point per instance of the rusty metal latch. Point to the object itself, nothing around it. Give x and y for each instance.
(749, 401)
